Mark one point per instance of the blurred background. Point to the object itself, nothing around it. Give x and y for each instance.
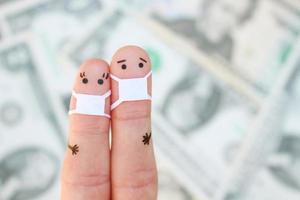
(234, 65)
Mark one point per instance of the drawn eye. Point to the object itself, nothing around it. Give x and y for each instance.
(85, 80)
(123, 66)
(100, 81)
(107, 76)
(141, 65)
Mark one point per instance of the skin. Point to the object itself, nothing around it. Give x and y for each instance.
(86, 175)
(132, 55)
(132, 173)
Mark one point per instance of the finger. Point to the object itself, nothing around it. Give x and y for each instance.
(134, 174)
(86, 169)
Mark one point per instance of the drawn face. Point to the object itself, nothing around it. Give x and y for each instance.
(130, 60)
(100, 81)
(94, 78)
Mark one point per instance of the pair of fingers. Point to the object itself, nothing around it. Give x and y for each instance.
(92, 170)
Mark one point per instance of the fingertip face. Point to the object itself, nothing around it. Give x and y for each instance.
(132, 149)
(130, 62)
(86, 170)
(91, 170)
(93, 78)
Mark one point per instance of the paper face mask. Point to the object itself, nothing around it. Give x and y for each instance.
(90, 104)
(131, 89)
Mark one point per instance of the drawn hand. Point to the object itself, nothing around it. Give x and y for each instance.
(74, 149)
(146, 139)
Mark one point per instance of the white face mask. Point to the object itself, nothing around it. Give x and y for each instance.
(90, 104)
(134, 89)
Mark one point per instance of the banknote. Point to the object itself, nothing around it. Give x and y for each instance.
(11, 3)
(168, 184)
(268, 165)
(278, 176)
(169, 188)
(23, 18)
(69, 19)
(201, 125)
(1, 32)
(32, 139)
(251, 39)
(189, 108)
(2, 2)
(33, 163)
(219, 143)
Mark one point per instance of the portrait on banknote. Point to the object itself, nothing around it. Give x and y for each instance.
(212, 28)
(199, 96)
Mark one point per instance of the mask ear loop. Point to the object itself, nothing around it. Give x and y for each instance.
(146, 77)
(114, 105)
(107, 94)
(106, 115)
(115, 78)
(74, 110)
(119, 101)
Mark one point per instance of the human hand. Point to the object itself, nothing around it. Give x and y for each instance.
(92, 171)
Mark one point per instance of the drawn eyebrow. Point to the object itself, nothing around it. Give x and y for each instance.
(82, 74)
(103, 75)
(120, 61)
(142, 59)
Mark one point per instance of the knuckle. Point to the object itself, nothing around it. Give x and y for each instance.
(132, 110)
(130, 116)
(137, 180)
(87, 125)
(81, 180)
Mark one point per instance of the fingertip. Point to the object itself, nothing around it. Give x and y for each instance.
(132, 149)
(87, 162)
(93, 77)
(91, 90)
(130, 62)
(131, 83)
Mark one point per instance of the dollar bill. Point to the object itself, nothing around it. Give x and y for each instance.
(32, 138)
(22, 19)
(250, 39)
(169, 188)
(203, 135)
(2, 2)
(40, 18)
(33, 163)
(168, 184)
(1, 32)
(54, 24)
(268, 165)
(219, 145)
(279, 177)
(189, 108)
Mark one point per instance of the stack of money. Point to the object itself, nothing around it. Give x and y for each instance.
(226, 91)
